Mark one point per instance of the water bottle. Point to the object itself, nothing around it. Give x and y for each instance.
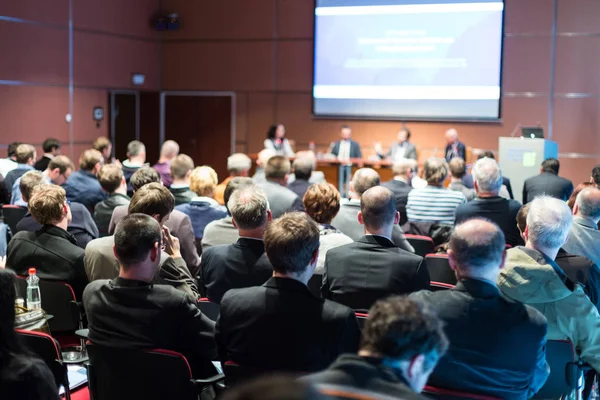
(34, 298)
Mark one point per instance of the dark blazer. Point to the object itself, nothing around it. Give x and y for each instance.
(12, 176)
(497, 347)
(354, 149)
(461, 149)
(400, 190)
(53, 252)
(202, 211)
(82, 226)
(282, 326)
(357, 274)
(42, 163)
(182, 195)
(365, 373)
(583, 271)
(83, 187)
(234, 266)
(133, 314)
(103, 211)
(469, 182)
(281, 199)
(547, 183)
(299, 186)
(500, 211)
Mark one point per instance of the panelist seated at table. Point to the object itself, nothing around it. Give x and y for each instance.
(277, 142)
(346, 147)
(400, 149)
(454, 147)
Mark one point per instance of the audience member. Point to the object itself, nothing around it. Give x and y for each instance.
(104, 146)
(373, 267)
(576, 191)
(58, 172)
(488, 204)
(22, 375)
(10, 162)
(434, 203)
(584, 237)
(277, 142)
(178, 223)
(181, 169)
(322, 203)
(130, 311)
(505, 191)
(547, 183)
(532, 277)
(315, 176)
(281, 325)
(25, 156)
(281, 199)
(82, 225)
(136, 158)
(51, 149)
(497, 346)
(52, 250)
(113, 182)
(156, 201)
(238, 164)
(400, 185)
(203, 208)
(454, 147)
(244, 263)
(400, 150)
(222, 231)
(595, 178)
(402, 341)
(273, 388)
(458, 169)
(303, 165)
(261, 162)
(168, 151)
(347, 218)
(83, 186)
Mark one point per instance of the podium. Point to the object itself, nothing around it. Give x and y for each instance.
(521, 158)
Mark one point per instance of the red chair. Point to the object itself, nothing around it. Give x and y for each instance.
(439, 286)
(362, 318)
(348, 393)
(12, 215)
(236, 374)
(439, 269)
(449, 394)
(423, 245)
(208, 308)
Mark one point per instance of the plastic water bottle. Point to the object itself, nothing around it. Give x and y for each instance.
(34, 298)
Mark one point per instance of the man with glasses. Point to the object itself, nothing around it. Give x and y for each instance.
(58, 171)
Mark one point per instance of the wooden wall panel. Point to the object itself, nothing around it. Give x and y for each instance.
(295, 19)
(85, 129)
(527, 64)
(577, 63)
(53, 12)
(528, 16)
(577, 125)
(578, 16)
(294, 65)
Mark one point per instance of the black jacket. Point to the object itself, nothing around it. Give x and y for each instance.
(299, 186)
(547, 183)
(354, 149)
(357, 274)
(400, 190)
(26, 377)
(282, 326)
(583, 271)
(103, 211)
(137, 315)
(42, 163)
(53, 252)
(182, 195)
(234, 266)
(365, 373)
(497, 347)
(461, 149)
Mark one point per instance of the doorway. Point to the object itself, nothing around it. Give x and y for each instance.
(124, 120)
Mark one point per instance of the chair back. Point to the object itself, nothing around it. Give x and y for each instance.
(423, 245)
(125, 374)
(450, 394)
(362, 318)
(439, 269)
(208, 308)
(351, 393)
(12, 215)
(564, 371)
(439, 286)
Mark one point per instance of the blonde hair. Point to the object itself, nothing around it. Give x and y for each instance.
(89, 159)
(203, 181)
(46, 204)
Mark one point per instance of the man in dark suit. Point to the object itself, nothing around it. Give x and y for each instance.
(281, 199)
(454, 148)
(359, 273)
(131, 312)
(244, 263)
(497, 347)
(346, 147)
(547, 182)
(304, 165)
(83, 186)
(51, 149)
(113, 182)
(25, 156)
(470, 183)
(395, 368)
(401, 185)
(281, 325)
(488, 204)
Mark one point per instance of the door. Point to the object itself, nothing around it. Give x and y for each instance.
(123, 117)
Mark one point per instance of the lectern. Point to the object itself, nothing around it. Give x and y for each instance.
(521, 158)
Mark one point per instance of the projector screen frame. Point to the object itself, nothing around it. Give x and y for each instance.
(322, 116)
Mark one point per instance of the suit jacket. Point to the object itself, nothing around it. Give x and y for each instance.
(83, 187)
(103, 211)
(346, 221)
(125, 313)
(82, 225)
(410, 151)
(582, 271)
(201, 211)
(461, 151)
(359, 273)
(101, 263)
(354, 149)
(219, 232)
(547, 183)
(11, 177)
(497, 347)
(299, 186)
(282, 326)
(180, 226)
(400, 190)
(365, 373)
(42, 163)
(53, 252)
(281, 199)
(584, 238)
(234, 266)
(182, 195)
(469, 182)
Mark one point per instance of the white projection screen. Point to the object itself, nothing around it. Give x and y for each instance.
(403, 59)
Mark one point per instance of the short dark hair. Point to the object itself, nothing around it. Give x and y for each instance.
(399, 327)
(477, 249)
(144, 176)
(290, 242)
(277, 167)
(522, 217)
(152, 199)
(50, 144)
(135, 235)
(110, 177)
(234, 184)
(486, 154)
(551, 165)
(596, 174)
(12, 149)
(378, 207)
(271, 133)
(63, 163)
(405, 130)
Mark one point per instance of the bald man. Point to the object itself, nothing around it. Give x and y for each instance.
(454, 148)
(168, 151)
(497, 347)
(373, 267)
(584, 236)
